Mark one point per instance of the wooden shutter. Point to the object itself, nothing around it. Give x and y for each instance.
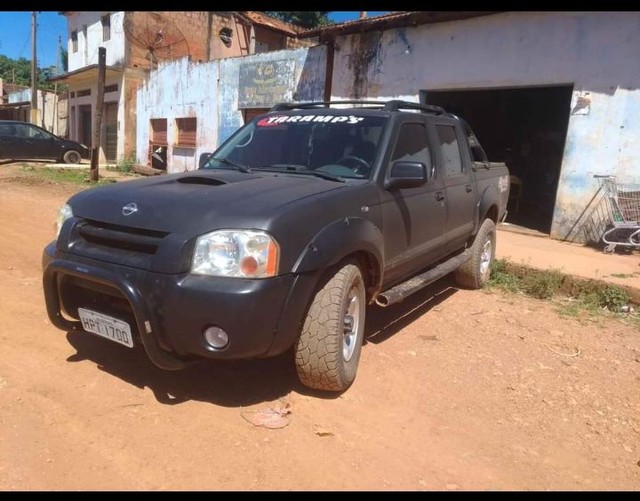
(159, 131)
(186, 131)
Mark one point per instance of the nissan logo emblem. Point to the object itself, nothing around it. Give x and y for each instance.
(129, 209)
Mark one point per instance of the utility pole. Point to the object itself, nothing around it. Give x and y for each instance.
(97, 124)
(34, 71)
(58, 63)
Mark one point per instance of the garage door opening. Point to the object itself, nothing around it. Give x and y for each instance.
(526, 129)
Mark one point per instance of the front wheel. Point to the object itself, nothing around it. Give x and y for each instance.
(71, 157)
(328, 350)
(474, 274)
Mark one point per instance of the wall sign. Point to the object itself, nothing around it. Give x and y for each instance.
(263, 84)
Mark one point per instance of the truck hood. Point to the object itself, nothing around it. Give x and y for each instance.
(196, 202)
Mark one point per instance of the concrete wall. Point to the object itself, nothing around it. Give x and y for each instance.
(87, 53)
(52, 109)
(209, 91)
(597, 52)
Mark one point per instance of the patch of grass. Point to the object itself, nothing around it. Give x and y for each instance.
(542, 285)
(75, 176)
(577, 297)
(501, 278)
(622, 275)
(124, 165)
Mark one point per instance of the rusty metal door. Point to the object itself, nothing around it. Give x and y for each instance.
(111, 131)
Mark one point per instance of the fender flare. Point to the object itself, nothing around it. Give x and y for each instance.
(339, 239)
(489, 197)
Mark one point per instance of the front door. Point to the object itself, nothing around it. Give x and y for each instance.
(413, 218)
(41, 143)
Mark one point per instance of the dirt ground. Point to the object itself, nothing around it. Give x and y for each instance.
(457, 390)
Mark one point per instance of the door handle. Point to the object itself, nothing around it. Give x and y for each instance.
(439, 196)
(468, 188)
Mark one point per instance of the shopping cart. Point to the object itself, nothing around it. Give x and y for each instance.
(624, 210)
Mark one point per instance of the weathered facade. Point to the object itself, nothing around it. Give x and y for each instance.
(137, 43)
(15, 104)
(556, 94)
(213, 99)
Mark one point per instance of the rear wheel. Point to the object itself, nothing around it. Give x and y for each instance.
(328, 350)
(474, 274)
(71, 157)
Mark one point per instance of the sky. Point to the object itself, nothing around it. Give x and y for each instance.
(15, 33)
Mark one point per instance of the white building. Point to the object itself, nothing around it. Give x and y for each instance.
(554, 94)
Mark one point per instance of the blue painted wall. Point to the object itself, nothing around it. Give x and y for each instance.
(209, 92)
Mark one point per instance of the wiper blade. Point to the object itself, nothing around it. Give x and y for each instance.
(301, 169)
(240, 167)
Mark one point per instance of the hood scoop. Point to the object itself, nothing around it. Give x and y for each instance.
(207, 181)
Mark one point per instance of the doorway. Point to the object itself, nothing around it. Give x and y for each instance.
(84, 130)
(525, 128)
(111, 131)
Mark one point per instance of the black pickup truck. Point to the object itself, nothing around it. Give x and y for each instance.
(281, 238)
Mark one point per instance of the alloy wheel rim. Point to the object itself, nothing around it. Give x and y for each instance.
(350, 324)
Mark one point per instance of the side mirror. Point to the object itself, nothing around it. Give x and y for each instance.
(204, 157)
(406, 175)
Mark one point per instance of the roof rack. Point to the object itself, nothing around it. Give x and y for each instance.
(393, 105)
(322, 104)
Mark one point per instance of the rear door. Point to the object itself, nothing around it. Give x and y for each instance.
(413, 218)
(11, 146)
(461, 194)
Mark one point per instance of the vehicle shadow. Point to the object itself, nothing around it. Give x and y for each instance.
(244, 382)
(382, 323)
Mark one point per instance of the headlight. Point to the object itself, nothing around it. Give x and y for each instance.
(236, 253)
(64, 213)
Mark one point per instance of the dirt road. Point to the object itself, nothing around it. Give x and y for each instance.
(457, 390)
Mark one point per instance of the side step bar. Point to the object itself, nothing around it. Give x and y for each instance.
(401, 291)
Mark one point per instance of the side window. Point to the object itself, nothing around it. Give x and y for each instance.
(451, 158)
(23, 130)
(34, 133)
(412, 145)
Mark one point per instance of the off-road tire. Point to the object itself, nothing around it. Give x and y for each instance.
(326, 356)
(71, 157)
(474, 274)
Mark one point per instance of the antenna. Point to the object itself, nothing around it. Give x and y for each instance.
(156, 35)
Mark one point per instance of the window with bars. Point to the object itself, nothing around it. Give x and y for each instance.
(186, 131)
(159, 131)
(106, 27)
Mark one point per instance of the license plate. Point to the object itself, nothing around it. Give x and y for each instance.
(106, 326)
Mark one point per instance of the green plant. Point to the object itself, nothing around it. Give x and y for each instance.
(613, 298)
(542, 285)
(501, 278)
(124, 165)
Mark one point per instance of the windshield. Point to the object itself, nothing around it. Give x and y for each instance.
(340, 145)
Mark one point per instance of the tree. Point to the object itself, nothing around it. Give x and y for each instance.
(305, 18)
(18, 71)
(64, 59)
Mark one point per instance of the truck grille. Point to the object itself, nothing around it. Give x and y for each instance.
(121, 237)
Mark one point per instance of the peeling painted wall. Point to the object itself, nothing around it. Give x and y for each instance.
(179, 89)
(597, 52)
(209, 91)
